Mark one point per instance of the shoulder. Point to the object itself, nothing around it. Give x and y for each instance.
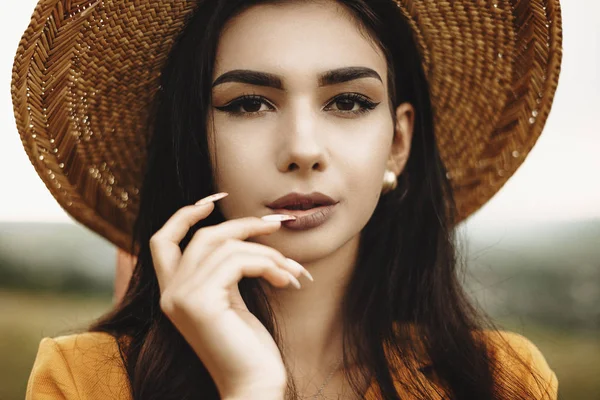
(520, 355)
(506, 345)
(81, 366)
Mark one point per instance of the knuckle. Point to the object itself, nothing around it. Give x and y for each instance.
(182, 212)
(275, 254)
(202, 234)
(261, 263)
(232, 259)
(174, 304)
(264, 251)
(230, 243)
(208, 234)
(166, 303)
(239, 263)
(270, 264)
(155, 238)
(178, 306)
(269, 252)
(155, 241)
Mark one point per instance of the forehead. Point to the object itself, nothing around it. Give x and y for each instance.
(296, 38)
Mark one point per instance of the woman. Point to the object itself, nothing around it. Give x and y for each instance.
(271, 130)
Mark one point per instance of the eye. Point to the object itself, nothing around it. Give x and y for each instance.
(351, 103)
(247, 105)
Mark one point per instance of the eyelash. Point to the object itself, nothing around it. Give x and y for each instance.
(234, 106)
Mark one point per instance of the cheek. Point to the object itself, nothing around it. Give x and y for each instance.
(239, 165)
(235, 158)
(366, 161)
(363, 178)
(364, 184)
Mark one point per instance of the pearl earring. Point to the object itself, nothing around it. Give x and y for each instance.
(390, 182)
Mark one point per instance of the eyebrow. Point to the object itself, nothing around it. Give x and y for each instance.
(332, 77)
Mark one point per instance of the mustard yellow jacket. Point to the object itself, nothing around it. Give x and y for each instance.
(88, 366)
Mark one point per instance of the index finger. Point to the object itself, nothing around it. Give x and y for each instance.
(164, 244)
(207, 238)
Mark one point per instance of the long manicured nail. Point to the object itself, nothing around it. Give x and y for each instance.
(212, 198)
(278, 217)
(293, 281)
(298, 267)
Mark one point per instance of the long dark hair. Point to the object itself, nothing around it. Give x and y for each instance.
(404, 300)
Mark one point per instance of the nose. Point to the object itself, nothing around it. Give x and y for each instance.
(303, 147)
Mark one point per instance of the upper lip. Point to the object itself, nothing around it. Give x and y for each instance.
(297, 199)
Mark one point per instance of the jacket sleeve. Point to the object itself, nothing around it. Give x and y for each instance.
(548, 383)
(51, 376)
(545, 382)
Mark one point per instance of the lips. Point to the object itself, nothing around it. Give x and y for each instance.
(298, 201)
(300, 213)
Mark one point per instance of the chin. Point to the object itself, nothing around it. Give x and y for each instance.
(308, 246)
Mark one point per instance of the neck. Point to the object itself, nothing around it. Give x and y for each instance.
(309, 319)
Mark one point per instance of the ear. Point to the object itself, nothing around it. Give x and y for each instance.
(403, 132)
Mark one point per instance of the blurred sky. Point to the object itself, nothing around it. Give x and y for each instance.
(558, 181)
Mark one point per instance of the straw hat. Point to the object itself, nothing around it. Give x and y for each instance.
(85, 73)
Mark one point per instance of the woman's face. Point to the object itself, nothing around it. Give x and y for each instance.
(305, 128)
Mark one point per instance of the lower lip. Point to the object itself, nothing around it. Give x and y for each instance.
(307, 219)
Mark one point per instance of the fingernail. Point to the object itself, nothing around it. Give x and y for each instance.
(295, 283)
(212, 198)
(296, 265)
(278, 217)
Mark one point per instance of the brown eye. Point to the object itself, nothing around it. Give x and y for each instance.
(251, 105)
(345, 104)
(351, 103)
(247, 105)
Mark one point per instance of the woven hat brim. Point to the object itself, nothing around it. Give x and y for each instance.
(85, 74)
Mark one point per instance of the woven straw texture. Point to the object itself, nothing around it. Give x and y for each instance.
(86, 72)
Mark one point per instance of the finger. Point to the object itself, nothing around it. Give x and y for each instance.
(198, 272)
(205, 240)
(231, 246)
(202, 280)
(240, 265)
(164, 244)
(292, 266)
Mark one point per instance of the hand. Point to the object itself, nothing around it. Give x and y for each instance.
(199, 294)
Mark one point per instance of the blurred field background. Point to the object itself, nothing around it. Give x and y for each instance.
(542, 281)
